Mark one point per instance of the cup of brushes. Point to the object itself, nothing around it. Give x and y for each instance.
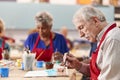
(28, 60)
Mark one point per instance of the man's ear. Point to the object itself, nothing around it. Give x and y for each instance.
(96, 21)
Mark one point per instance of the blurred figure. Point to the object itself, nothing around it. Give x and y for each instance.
(32, 31)
(9, 40)
(64, 32)
(45, 42)
(3, 44)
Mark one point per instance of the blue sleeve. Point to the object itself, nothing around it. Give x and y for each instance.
(60, 44)
(29, 42)
(7, 46)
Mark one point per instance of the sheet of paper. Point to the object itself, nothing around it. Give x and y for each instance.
(49, 72)
(35, 73)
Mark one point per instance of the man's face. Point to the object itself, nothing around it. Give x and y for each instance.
(87, 30)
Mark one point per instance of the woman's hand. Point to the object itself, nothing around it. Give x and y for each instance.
(58, 56)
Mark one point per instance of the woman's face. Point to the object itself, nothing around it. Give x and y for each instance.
(44, 30)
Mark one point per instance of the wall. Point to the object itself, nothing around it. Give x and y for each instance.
(21, 16)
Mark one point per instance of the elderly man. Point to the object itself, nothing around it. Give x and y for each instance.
(104, 64)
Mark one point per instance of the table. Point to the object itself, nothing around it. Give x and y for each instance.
(16, 73)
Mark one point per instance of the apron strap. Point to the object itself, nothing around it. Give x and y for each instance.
(94, 70)
(51, 42)
(104, 35)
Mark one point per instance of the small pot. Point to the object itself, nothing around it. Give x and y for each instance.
(49, 65)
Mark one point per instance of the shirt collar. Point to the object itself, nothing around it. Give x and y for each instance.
(99, 36)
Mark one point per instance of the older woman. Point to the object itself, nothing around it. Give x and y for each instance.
(45, 42)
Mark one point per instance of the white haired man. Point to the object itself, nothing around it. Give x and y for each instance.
(104, 63)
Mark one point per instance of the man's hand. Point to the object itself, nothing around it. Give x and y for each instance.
(72, 62)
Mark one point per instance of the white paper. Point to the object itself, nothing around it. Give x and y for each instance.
(50, 72)
(35, 73)
(43, 73)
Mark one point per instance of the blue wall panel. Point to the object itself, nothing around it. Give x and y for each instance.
(21, 16)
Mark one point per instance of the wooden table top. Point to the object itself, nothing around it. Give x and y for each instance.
(15, 73)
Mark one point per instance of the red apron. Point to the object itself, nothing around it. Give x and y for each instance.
(43, 54)
(1, 49)
(94, 70)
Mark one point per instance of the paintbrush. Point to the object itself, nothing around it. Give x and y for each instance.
(65, 61)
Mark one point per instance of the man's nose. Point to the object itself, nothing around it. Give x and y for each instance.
(82, 34)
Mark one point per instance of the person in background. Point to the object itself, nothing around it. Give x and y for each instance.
(45, 42)
(3, 44)
(64, 32)
(104, 63)
(9, 40)
(32, 31)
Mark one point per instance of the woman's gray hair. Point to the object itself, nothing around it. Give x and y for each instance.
(86, 13)
(44, 17)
